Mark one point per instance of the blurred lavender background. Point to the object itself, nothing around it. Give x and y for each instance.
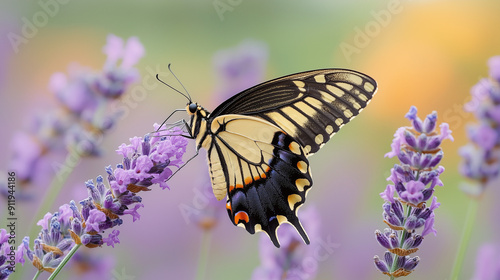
(423, 53)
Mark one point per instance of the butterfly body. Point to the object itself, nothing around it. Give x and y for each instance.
(258, 142)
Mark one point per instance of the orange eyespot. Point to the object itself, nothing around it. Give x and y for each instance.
(241, 216)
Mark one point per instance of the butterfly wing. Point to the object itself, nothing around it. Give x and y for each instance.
(309, 106)
(261, 138)
(264, 171)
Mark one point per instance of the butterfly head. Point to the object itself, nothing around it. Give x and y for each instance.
(193, 109)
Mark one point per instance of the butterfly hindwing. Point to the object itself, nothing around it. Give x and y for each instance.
(310, 106)
(265, 172)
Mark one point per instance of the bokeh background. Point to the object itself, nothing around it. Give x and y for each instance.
(426, 53)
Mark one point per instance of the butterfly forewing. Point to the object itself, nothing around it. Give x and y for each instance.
(309, 106)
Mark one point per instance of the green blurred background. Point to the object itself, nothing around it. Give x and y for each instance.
(427, 54)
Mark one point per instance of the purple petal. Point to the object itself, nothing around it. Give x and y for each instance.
(435, 180)
(65, 213)
(95, 217)
(445, 132)
(388, 194)
(113, 49)
(3, 236)
(494, 64)
(434, 204)
(135, 142)
(394, 176)
(397, 141)
(122, 180)
(413, 192)
(133, 212)
(429, 226)
(112, 238)
(44, 223)
(133, 52)
(125, 150)
(142, 167)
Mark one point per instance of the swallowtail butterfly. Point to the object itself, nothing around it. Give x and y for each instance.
(258, 142)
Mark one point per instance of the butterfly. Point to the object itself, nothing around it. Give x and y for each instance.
(259, 140)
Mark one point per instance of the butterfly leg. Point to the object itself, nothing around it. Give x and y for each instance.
(182, 166)
(175, 111)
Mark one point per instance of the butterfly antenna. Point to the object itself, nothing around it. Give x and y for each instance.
(158, 78)
(179, 82)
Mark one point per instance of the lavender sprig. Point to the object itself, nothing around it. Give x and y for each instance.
(414, 179)
(482, 155)
(481, 164)
(146, 161)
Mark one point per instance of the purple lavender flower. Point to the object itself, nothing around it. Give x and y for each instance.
(482, 155)
(145, 162)
(240, 67)
(294, 259)
(414, 179)
(487, 263)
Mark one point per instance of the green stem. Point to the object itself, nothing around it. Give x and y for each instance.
(203, 258)
(64, 261)
(465, 238)
(53, 190)
(38, 272)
